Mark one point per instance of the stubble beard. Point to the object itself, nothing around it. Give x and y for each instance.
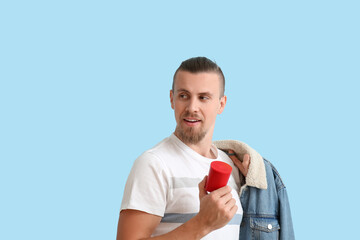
(190, 135)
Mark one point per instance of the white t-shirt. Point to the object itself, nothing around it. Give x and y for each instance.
(164, 181)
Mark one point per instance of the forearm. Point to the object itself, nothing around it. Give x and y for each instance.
(136, 225)
(216, 210)
(193, 229)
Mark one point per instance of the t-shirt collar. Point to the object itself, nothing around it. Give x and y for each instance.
(182, 145)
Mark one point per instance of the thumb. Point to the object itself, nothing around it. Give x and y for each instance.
(202, 185)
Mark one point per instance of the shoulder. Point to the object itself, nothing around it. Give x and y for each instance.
(148, 161)
(270, 168)
(155, 154)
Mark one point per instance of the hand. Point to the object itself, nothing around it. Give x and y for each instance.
(242, 165)
(216, 208)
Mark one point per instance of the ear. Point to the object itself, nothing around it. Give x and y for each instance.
(172, 99)
(223, 100)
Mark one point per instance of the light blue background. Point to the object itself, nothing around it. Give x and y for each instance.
(84, 89)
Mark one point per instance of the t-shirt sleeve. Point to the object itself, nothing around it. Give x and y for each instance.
(147, 186)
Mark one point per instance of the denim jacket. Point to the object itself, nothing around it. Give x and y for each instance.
(263, 197)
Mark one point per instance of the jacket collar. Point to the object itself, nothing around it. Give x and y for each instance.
(256, 176)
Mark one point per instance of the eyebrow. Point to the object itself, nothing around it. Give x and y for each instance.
(202, 93)
(181, 90)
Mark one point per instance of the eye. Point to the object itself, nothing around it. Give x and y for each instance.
(183, 96)
(204, 98)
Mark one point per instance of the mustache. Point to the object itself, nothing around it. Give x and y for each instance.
(191, 115)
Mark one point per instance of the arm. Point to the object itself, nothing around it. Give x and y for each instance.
(287, 230)
(135, 224)
(216, 210)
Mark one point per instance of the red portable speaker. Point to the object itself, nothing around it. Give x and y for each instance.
(219, 175)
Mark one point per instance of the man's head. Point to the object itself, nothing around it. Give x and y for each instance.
(201, 64)
(197, 97)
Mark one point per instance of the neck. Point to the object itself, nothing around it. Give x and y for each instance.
(203, 147)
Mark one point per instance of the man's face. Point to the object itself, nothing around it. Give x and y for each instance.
(196, 102)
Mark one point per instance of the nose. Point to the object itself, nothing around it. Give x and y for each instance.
(193, 105)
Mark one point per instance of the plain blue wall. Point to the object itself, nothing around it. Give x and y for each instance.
(84, 89)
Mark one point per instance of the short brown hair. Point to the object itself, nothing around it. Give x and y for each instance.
(201, 64)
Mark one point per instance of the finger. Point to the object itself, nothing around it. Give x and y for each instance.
(246, 163)
(226, 198)
(238, 164)
(230, 204)
(230, 152)
(233, 210)
(202, 191)
(218, 193)
(229, 200)
(232, 155)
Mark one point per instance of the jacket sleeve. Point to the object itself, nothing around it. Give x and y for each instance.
(285, 220)
(286, 225)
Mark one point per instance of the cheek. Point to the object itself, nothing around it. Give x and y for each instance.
(178, 110)
(211, 112)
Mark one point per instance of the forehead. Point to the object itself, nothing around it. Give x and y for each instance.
(197, 82)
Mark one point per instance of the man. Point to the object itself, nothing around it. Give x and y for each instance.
(163, 198)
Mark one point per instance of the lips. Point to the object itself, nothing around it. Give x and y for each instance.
(191, 121)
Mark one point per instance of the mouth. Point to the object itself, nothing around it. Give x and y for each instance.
(192, 121)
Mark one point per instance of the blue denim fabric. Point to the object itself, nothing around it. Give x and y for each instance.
(266, 212)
